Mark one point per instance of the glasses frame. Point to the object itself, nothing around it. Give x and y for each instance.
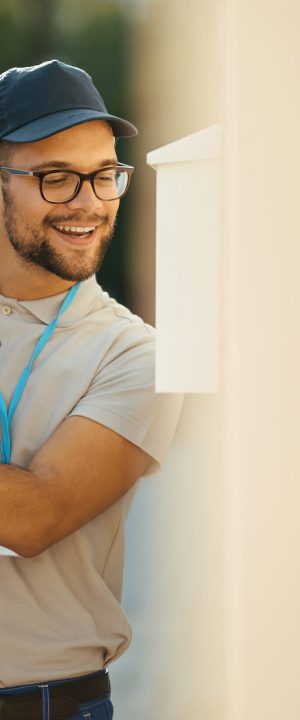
(82, 177)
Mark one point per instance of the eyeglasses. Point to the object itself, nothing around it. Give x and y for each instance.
(60, 186)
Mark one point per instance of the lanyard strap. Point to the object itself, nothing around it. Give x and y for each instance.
(7, 416)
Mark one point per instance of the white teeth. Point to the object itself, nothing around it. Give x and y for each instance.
(79, 230)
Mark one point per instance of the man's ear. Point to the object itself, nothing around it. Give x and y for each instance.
(1, 190)
(3, 182)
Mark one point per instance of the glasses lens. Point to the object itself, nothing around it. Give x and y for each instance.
(111, 183)
(59, 186)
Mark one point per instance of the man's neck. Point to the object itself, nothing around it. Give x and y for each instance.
(31, 286)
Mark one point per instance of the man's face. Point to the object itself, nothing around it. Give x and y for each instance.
(30, 223)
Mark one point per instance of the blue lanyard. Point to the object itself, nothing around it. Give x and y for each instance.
(7, 416)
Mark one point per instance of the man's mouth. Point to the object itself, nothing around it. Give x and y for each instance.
(75, 231)
(77, 235)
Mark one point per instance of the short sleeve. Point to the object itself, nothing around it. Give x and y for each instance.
(122, 397)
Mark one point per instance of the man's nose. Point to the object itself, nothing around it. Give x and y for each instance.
(86, 199)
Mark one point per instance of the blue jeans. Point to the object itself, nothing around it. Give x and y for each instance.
(98, 709)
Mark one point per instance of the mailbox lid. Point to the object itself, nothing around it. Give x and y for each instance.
(203, 145)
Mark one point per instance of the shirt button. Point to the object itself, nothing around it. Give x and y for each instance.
(6, 310)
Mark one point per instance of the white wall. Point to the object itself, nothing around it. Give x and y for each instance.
(262, 359)
(213, 587)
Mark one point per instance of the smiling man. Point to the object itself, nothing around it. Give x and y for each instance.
(69, 244)
(80, 419)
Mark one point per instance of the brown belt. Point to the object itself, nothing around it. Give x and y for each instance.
(64, 699)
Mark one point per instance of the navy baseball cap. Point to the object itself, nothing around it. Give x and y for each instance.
(42, 100)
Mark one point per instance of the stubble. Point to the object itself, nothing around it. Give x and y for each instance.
(33, 247)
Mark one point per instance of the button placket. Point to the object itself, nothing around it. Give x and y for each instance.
(7, 318)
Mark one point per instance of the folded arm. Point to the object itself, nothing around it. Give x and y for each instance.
(82, 469)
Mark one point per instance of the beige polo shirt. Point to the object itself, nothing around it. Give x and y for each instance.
(60, 612)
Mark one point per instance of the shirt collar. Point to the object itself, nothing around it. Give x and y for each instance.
(46, 309)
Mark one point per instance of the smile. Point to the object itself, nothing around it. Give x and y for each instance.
(77, 235)
(71, 229)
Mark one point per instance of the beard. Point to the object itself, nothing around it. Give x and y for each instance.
(33, 247)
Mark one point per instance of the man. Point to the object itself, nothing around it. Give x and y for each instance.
(80, 420)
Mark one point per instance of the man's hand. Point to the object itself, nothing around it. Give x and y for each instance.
(82, 469)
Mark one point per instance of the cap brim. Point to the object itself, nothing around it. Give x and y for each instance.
(56, 122)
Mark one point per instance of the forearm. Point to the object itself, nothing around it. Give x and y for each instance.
(26, 510)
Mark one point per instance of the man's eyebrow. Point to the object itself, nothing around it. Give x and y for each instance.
(53, 164)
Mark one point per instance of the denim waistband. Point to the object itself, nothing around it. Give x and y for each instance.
(19, 689)
(45, 700)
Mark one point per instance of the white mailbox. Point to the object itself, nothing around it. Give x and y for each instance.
(188, 219)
